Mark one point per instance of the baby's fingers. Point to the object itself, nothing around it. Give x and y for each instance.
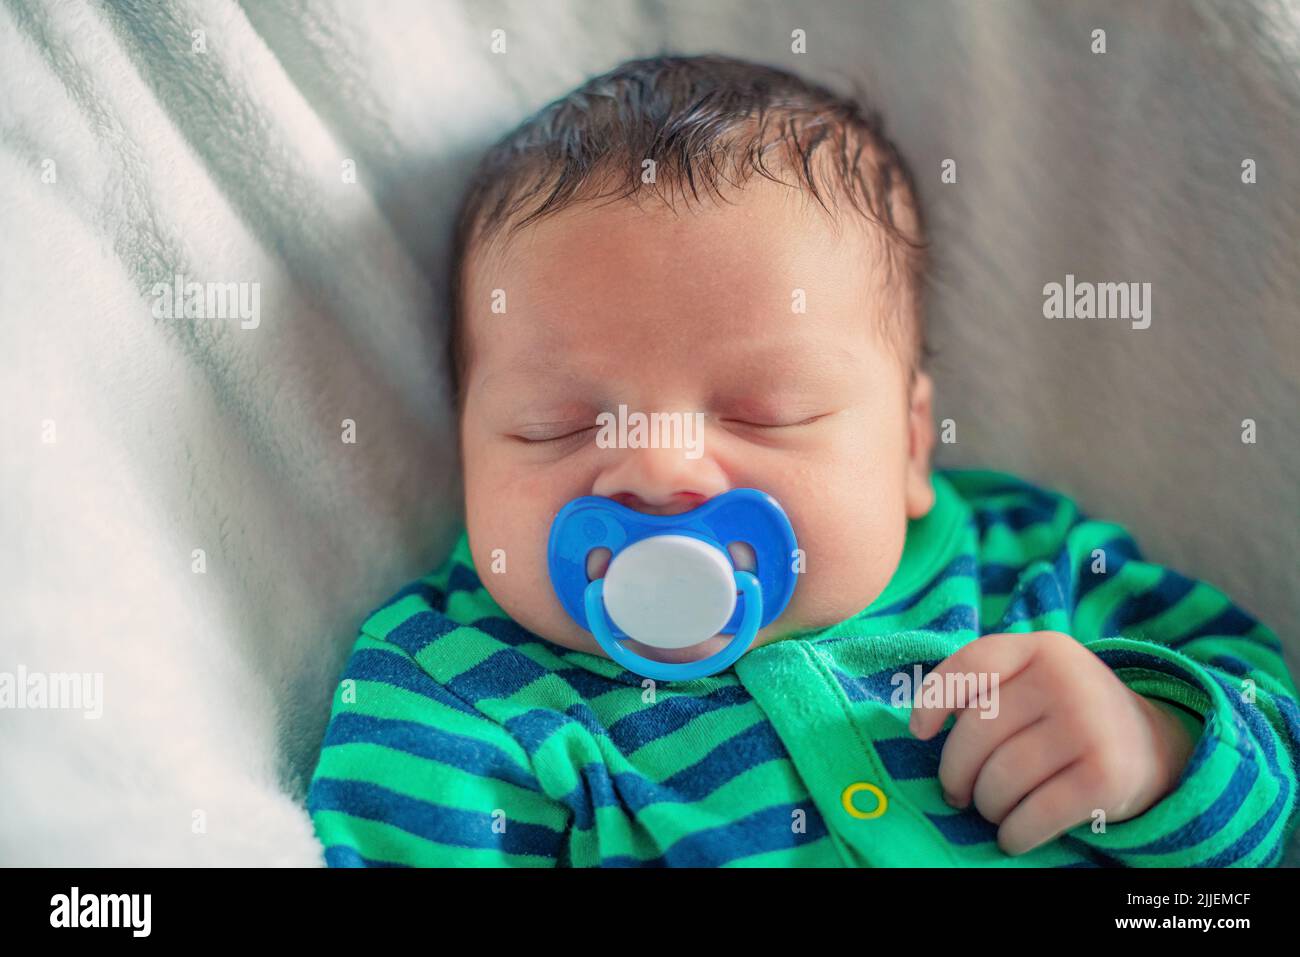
(977, 741)
(1003, 655)
(1028, 759)
(1054, 807)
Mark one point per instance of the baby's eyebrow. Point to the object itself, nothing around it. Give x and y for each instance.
(807, 354)
(806, 363)
(530, 371)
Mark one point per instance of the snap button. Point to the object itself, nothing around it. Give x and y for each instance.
(882, 802)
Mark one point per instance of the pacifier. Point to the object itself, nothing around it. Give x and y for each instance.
(671, 581)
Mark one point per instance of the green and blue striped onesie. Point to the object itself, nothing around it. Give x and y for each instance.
(459, 738)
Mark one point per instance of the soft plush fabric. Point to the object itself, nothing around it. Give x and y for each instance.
(459, 738)
(134, 149)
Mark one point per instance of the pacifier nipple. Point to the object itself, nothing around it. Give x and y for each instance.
(597, 563)
(742, 556)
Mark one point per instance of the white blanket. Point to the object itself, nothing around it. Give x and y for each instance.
(182, 511)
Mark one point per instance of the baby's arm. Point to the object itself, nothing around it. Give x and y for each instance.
(1173, 639)
(1127, 689)
(410, 774)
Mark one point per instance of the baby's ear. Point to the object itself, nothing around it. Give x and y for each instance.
(918, 492)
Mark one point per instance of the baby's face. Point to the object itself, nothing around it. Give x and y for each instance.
(691, 312)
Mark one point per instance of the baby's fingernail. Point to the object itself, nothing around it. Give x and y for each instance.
(950, 799)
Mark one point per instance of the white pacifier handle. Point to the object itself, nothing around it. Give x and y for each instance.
(670, 591)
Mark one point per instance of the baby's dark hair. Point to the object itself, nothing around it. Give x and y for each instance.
(702, 120)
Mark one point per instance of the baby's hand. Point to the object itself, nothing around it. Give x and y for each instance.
(1068, 738)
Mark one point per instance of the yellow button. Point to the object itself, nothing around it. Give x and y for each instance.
(882, 802)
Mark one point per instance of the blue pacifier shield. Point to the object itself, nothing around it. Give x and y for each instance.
(671, 581)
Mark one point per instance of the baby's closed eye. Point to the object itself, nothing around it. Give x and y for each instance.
(777, 422)
(551, 432)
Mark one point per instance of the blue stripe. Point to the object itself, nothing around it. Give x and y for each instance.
(1254, 834)
(1236, 731)
(1040, 595)
(998, 579)
(340, 855)
(419, 631)
(755, 746)
(632, 791)
(671, 712)
(463, 577)
(1018, 518)
(1232, 622)
(1119, 552)
(956, 618)
(507, 631)
(1118, 658)
(433, 822)
(1232, 664)
(964, 828)
(430, 595)
(1290, 712)
(469, 754)
(1210, 821)
(1167, 592)
(391, 668)
(587, 684)
(499, 675)
(1260, 731)
(963, 566)
(758, 833)
(909, 759)
(523, 669)
(1063, 569)
(879, 687)
(533, 727)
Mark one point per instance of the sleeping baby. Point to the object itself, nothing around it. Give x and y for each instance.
(711, 605)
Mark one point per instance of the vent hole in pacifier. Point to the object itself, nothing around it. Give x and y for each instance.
(597, 563)
(742, 556)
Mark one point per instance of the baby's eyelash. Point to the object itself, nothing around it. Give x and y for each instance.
(777, 425)
(541, 438)
(552, 438)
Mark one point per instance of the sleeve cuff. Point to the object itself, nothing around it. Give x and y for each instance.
(1219, 793)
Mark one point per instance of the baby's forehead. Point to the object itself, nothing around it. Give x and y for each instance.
(766, 263)
(765, 231)
(735, 323)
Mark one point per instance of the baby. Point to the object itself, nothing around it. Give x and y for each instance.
(718, 238)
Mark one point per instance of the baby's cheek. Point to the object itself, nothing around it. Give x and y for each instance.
(512, 569)
(851, 549)
(847, 571)
(508, 531)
